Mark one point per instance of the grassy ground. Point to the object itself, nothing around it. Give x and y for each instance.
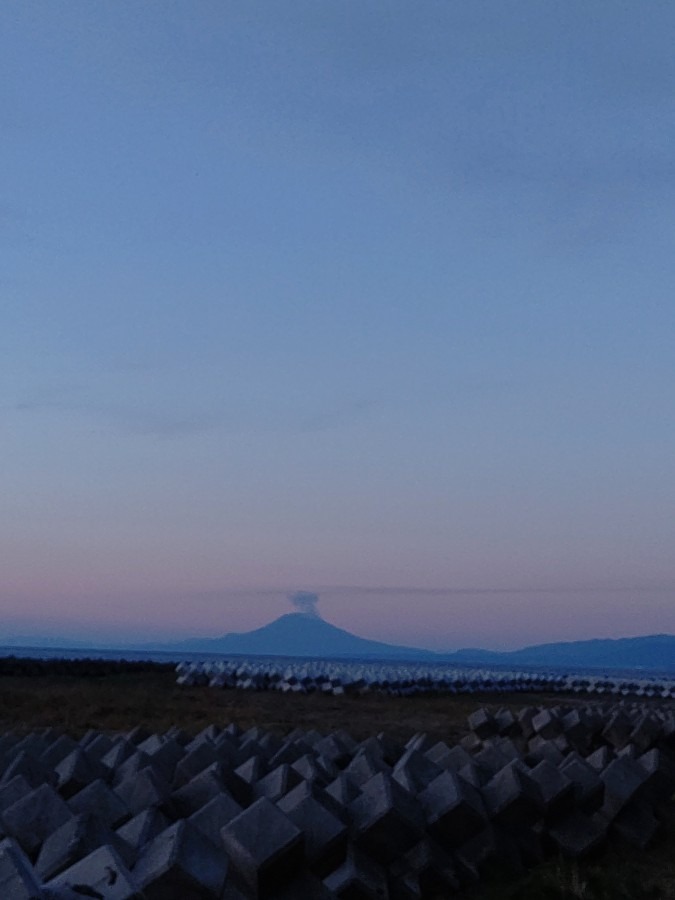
(120, 701)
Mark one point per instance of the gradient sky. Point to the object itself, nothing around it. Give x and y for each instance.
(374, 299)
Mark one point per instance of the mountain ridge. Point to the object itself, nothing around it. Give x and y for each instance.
(301, 634)
(307, 635)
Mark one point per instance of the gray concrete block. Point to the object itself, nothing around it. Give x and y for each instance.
(454, 810)
(600, 758)
(474, 775)
(151, 744)
(335, 749)
(451, 758)
(232, 730)
(506, 722)
(75, 840)
(373, 746)
(143, 790)
(508, 748)
(659, 768)
(414, 771)
(34, 817)
(324, 834)
(86, 738)
(120, 751)
(627, 752)
(215, 815)
(343, 790)
(577, 731)
(618, 730)
(386, 819)
(392, 750)
(358, 878)
(277, 783)
(132, 765)
(197, 792)
(270, 744)
(143, 828)
(555, 789)
(312, 768)
(471, 743)
(98, 745)
(165, 756)
(540, 748)
(252, 770)
(138, 734)
(102, 874)
(512, 798)
(364, 765)
(490, 758)
(13, 790)
(76, 771)
(58, 750)
(18, 880)
(203, 755)
(310, 736)
(524, 718)
(420, 741)
(623, 780)
(181, 864)
(547, 724)
(29, 766)
(251, 753)
(308, 789)
(345, 738)
(588, 788)
(288, 752)
(181, 736)
(33, 744)
(210, 733)
(264, 846)
(97, 797)
(482, 723)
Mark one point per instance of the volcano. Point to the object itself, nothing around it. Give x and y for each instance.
(304, 635)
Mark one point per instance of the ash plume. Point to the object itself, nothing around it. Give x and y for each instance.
(305, 602)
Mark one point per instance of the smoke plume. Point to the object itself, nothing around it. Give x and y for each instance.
(305, 602)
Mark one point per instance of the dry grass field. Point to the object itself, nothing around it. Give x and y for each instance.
(119, 701)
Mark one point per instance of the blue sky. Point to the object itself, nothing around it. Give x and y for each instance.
(368, 299)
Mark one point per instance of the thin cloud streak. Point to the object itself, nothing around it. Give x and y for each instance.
(486, 591)
(145, 422)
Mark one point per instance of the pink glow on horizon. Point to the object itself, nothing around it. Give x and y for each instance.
(437, 620)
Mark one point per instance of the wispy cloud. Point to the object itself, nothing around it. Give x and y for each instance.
(384, 590)
(145, 420)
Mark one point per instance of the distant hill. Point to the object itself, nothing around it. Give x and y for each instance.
(656, 651)
(300, 634)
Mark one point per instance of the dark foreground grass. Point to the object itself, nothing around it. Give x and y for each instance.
(120, 700)
(617, 874)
